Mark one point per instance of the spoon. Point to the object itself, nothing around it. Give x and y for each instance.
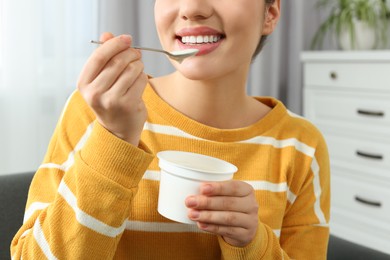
(178, 56)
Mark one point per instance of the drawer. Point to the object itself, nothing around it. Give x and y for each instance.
(363, 153)
(366, 198)
(364, 75)
(358, 110)
(363, 231)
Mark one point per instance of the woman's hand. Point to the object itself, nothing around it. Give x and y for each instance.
(228, 209)
(112, 82)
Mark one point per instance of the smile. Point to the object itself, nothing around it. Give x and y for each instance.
(200, 39)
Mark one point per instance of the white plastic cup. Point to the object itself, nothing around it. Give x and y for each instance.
(181, 176)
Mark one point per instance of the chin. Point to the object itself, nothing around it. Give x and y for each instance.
(196, 75)
(195, 71)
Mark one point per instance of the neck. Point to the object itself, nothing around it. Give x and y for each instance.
(221, 103)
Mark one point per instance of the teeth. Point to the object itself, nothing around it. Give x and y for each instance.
(200, 39)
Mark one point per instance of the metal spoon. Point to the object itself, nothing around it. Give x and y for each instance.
(178, 56)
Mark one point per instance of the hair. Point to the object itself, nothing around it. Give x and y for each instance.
(264, 37)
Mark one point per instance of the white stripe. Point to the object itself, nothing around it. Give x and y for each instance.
(292, 114)
(168, 130)
(69, 162)
(265, 140)
(277, 232)
(85, 219)
(326, 225)
(34, 207)
(66, 106)
(170, 227)
(268, 186)
(291, 196)
(52, 166)
(162, 227)
(316, 183)
(317, 191)
(41, 240)
(257, 185)
(152, 175)
(262, 140)
(25, 233)
(273, 187)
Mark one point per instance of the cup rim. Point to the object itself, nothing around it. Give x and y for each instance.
(165, 158)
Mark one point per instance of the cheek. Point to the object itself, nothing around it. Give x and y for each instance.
(247, 32)
(247, 20)
(164, 12)
(158, 15)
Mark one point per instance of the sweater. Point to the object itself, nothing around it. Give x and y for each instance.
(95, 196)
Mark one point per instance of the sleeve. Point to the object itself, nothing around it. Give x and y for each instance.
(265, 245)
(80, 196)
(305, 230)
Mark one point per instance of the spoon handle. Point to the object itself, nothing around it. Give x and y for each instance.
(151, 49)
(138, 48)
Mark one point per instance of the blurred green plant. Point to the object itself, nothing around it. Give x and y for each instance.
(344, 14)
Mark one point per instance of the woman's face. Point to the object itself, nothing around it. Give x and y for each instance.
(226, 32)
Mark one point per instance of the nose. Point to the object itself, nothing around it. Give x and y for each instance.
(195, 9)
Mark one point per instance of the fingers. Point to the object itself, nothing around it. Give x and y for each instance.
(112, 83)
(116, 67)
(223, 210)
(225, 231)
(221, 218)
(219, 203)
(236, 228)
(105, 53)
(228, 196)
(125, 80)
(131, 95)
(231, 188)
(229, 209)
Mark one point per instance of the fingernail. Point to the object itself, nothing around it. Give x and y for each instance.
(207, 188)
(202, 225)
(191, 202)
(126, 38)
(194, 214)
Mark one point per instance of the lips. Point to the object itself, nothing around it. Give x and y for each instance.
(205, 39)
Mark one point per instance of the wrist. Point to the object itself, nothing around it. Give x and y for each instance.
(129, 137)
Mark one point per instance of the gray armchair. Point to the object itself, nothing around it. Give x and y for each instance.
(13, 195)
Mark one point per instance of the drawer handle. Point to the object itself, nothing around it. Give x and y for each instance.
(368, 202)
(369, 155)
(371, 113)
(333, 75)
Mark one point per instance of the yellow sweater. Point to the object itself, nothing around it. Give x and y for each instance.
(95, 196)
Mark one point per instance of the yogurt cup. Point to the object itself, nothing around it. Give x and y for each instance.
(181, 176)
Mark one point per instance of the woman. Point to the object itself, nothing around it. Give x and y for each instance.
(95, 195)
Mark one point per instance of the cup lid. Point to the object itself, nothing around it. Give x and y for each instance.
(195, 162)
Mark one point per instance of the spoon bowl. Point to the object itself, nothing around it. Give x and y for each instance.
(178, 56)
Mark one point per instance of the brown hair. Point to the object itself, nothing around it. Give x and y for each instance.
(264, 37)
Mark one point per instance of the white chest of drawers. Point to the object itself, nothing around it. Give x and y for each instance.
(347, 96)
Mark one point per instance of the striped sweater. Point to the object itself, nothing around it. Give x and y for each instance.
(95, 196)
